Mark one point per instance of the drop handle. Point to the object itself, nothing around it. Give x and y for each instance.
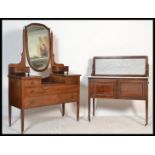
(32, 102)
(32, 91)
(72, 96)
(44, 90)
(32, 82)
(118, 89)
(100, 95)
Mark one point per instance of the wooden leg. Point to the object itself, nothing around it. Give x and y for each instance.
(93, 106)
(63, 109)
(146, 112)
(22, 120)
(78, 107)
(89, 108)
(10, 114)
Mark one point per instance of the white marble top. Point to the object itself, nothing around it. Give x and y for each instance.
(109, 77)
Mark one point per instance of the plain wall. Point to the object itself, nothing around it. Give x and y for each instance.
(76, 42)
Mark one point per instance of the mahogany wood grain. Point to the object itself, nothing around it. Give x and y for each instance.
(119, 88)
(134, 87)
(27, 91)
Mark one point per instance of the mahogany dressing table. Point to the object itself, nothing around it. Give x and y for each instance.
(119, 77)
(27, 91)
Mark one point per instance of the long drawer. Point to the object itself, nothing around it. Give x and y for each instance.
(49, 100)
(49, 90)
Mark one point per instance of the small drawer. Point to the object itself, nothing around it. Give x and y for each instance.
(105, 88)
(31, 83)
(32, 91)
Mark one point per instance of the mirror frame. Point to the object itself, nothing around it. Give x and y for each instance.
(121, 57)
(26, 45)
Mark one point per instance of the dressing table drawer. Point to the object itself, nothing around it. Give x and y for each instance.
(68, 97)
(31, 83)
(41, 91)
(59, 89)
(49, 100)
(32, 91)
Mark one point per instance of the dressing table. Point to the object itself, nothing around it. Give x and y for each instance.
(119, 77)
(27, 91)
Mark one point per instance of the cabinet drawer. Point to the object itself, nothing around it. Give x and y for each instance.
(49, 90)
(32, 91)
(68, 97)
(31, 83)
(49, 100)
(105, 88)
(56, 89)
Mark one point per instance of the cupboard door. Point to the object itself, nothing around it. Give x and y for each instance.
(105, 88)
(132, 89)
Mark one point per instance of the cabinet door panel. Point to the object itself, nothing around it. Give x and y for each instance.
(134, 89)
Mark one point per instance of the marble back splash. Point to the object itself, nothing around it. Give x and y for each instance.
(120, 66)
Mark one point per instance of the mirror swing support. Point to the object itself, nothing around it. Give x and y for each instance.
(27, 91)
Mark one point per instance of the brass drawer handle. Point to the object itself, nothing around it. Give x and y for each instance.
(32, 91)
(43, 92)
(72, 96)
(32, 102)
(100, 94)
(32, 83)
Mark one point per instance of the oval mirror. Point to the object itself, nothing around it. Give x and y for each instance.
(38, 46)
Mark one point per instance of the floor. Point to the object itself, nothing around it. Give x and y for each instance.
(50, 121)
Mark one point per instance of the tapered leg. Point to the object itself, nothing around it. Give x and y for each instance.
(89, 108)
(10, 114)
(22, 120)
(78, 108)
(93, 106)
(63, 109)
(146, 112)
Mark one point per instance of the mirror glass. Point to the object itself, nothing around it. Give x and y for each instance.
(120, 66)
(38, 46)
